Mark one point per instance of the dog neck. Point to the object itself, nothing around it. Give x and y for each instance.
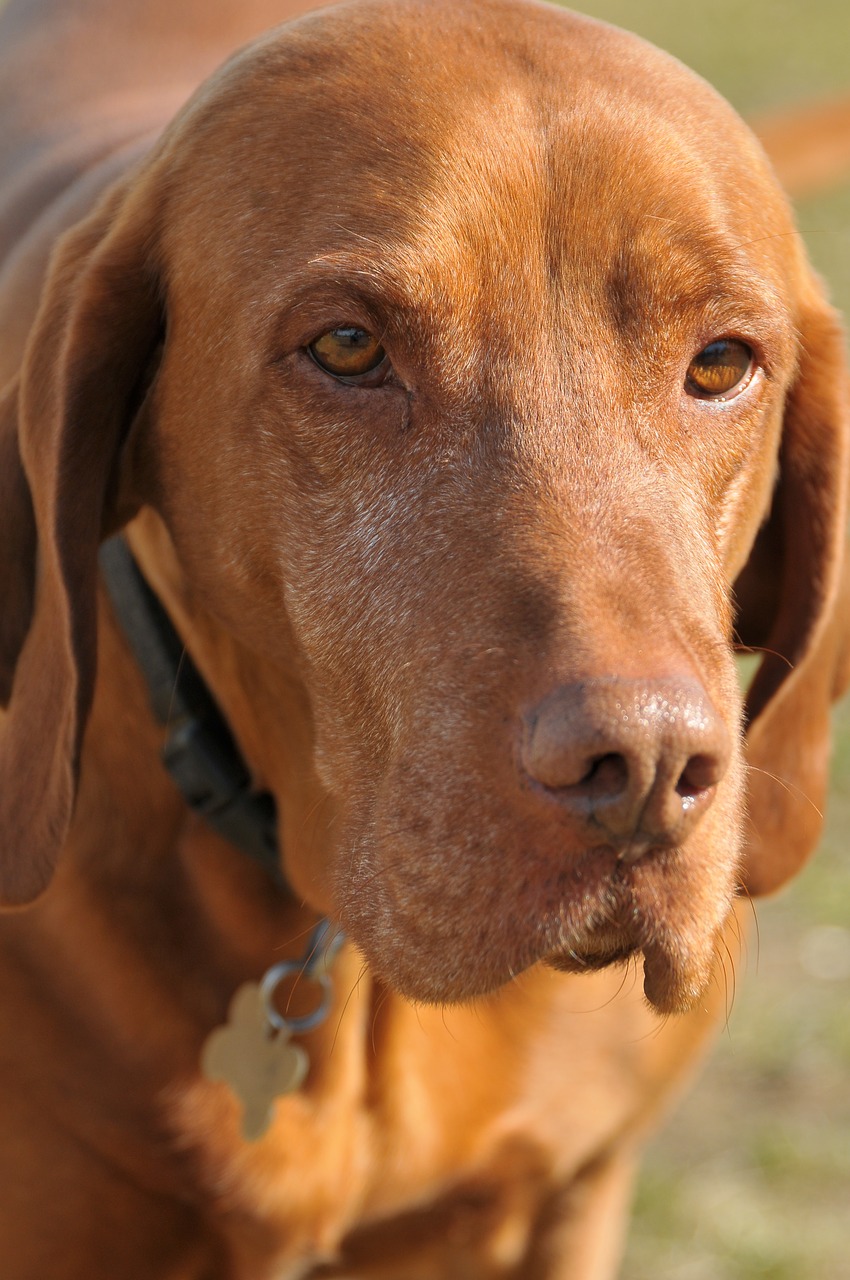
(199, 750)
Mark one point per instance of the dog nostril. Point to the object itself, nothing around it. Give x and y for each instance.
(609, 774)
(633, 763)
(700, 774)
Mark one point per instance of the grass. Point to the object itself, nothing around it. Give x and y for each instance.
(751, 1179)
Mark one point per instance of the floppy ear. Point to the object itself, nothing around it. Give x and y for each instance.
(795, 603)
(61, 432)
(17, 544)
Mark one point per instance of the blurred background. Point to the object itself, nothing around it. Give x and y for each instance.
(751, 1178)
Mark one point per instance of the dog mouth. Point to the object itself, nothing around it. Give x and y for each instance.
(595, 914)
(624, 928)
(673, 982)
(454, 874)
(573, 961)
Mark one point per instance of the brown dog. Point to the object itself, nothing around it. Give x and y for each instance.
(456, 371)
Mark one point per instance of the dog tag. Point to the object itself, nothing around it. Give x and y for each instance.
(258, 1062)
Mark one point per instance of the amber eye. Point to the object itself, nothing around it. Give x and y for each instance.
(721, 370)
(347, 352)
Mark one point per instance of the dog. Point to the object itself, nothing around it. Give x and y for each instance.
(450, 389)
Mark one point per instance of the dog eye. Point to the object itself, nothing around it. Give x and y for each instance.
(721, 370)
(347, 352)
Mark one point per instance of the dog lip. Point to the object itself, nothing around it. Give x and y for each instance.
(671, 983)
(571, 960)
(600, 944)
(574, 910)
(671, 987)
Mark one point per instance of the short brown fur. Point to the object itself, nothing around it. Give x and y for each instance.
(405, 597)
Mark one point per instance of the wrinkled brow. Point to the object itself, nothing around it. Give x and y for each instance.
(665, 265)
(389, 274)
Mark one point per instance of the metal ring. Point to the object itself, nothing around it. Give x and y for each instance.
(269, 985)
(325, 941)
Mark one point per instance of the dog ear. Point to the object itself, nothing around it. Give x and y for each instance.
(795, 604)
(17, 547)
(61, 432)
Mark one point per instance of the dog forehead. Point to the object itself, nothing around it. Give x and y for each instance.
(383, 93)
(423, 150)
(393, 80)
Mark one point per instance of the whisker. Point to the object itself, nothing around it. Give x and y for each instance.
(355, 986)
(789, 787)
(753, 649)
(728, 1003)
(775, 235)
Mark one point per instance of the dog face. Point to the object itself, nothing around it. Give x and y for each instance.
(469, 389)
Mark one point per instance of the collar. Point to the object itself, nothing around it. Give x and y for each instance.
(199, 750)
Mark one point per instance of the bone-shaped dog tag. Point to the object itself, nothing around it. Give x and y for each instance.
(257, 1062)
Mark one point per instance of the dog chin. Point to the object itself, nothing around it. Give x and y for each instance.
(591, 913)
(675, 976)
(672, 983)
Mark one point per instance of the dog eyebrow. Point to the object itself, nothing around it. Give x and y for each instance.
(708, 274)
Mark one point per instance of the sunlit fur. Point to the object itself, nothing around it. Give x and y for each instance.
(543, 221)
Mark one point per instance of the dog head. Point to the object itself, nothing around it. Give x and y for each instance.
(456, 356)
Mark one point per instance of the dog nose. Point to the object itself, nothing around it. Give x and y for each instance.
(634, 763)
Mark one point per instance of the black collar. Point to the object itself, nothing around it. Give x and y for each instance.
(199, 751)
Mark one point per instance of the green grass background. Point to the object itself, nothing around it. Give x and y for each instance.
(751, 1178)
